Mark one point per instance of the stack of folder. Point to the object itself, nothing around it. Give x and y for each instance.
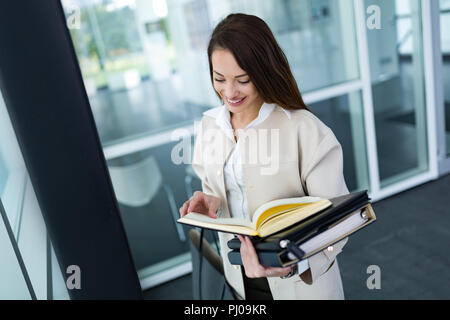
(346, 215)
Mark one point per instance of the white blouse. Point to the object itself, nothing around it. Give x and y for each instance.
(234, 178)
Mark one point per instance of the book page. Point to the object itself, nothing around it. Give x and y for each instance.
(274, 212)
(280, 222)
(230, 225)
(286, 204)
(220, 221)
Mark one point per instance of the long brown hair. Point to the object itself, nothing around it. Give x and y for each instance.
(256, 50)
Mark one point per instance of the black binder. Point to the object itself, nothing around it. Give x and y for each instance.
(277, 250)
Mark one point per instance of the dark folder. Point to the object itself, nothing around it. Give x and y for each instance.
(347, 214)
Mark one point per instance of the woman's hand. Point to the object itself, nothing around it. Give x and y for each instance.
(201, 203)
(253, 269)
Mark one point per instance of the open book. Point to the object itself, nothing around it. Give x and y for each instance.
(347, 214)
(318, 242)
(268, 219)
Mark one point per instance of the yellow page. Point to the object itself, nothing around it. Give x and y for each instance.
(276, 211)
(282, 205)
(279, 222)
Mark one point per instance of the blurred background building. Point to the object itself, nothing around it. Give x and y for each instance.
(383, 89)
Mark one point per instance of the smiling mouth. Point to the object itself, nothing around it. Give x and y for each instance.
(235, 102)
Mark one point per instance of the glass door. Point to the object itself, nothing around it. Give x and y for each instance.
(398, 89)
(444, 6)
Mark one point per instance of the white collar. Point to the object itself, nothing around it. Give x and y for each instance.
(222, 116)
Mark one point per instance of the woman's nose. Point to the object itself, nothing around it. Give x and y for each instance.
(231, 92)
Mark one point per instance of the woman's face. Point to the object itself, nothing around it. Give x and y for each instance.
(233, 84)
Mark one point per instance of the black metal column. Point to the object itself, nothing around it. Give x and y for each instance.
(43, 90)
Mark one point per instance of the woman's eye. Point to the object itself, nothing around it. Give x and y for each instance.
(241, 82)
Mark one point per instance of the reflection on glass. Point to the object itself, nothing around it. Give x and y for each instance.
(12, 180)
(23, 236)
(145, 67)
(396, 62)
(318, 38)
(12, 173)
(445, 45)
(143, 183)
(13, 285)
(344, 115)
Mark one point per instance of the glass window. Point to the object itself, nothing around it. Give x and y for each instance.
(24, 245)
(445, 45)
(144, 62)
(396, 63)
(3, 174)
(312, 35)
(344, 115)
(14, 286)
(12, 180)
(147, 185)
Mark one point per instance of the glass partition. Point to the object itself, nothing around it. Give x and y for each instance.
(25, 269)
(345, 116)
(445, 46)
(14, 286)
(397, 75)
(147, 185)
(144, 62)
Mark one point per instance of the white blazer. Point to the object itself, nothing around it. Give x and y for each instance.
(282, 157)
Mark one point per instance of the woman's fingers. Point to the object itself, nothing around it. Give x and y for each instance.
(184, 208)
(253, 269)
(203, 204)
(213, 204)
(197, 205)
(212, 209)
(251, 248)
(250, 252)
(212, 214)
(277, 272)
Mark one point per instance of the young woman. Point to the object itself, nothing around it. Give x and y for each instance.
(263, 144)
